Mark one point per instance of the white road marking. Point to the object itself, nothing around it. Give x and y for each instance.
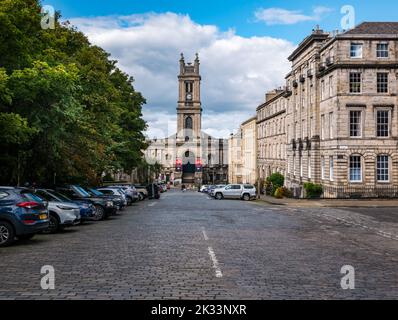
(205, 234)
(152, 204)
(359, 225)
(215, 263)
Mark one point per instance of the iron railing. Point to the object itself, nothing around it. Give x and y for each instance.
(360, 192)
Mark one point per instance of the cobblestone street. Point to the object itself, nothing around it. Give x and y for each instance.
(188, 246)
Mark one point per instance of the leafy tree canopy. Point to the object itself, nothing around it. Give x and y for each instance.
(66, 109)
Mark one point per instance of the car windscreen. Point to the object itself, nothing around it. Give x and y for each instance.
(95, 192)
(107, 192)
(81, 191)
(44, 195)
(59, 196)
(30, 196)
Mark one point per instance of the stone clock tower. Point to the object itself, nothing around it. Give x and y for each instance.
(189, 121)
(189, 110)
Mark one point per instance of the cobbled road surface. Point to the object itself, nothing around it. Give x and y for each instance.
(188, 246)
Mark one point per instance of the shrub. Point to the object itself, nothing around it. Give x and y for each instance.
(287, 193)
(283, 192)
(312, 190)
(275, 181)
(279, 193)
(268, 188)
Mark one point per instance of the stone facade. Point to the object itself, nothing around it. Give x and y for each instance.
(341, 111)
(235, 158)
(271, 134)
(190, 156)
(249, 150)
(242, 148)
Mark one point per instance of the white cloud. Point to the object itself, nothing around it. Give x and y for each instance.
(277, 16)
(236, 71)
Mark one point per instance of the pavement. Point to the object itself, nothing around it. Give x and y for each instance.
(332, 203)
(189, 246)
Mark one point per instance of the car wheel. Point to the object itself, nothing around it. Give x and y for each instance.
(129, 201)
(246, 197)
(53, 226)
(99, 213)
(26, 236)
(7, 234)
(219, 196)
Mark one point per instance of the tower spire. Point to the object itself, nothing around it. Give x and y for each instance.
(182, 63)
(197, 63)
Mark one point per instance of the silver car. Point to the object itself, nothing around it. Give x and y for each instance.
(236, 191)
(61, 214)
(130, 191)
(116, 191)
(212, 193)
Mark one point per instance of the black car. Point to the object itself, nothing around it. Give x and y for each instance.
(153, 191)
(104, 207)
(22, 215)
(117, 200)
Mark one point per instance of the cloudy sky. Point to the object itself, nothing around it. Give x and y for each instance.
(242, 44)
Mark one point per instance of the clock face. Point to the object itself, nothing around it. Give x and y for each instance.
(189, 96)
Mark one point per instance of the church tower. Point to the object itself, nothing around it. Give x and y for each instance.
(189, 123)
(189, 110)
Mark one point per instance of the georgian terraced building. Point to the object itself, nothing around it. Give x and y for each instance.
(242, 148)
(271, 134)
(336, 122)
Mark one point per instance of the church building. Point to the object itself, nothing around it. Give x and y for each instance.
(190, 156)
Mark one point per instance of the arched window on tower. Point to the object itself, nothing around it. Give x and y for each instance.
(188, 123)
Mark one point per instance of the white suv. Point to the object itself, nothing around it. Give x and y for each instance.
(61, 214)
(236, 191)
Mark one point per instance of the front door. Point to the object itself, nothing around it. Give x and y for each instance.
(236, 191)
(188, 167)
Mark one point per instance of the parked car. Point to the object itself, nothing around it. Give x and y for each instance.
(87, 209)
(130, 192)
(153, 191)
(236, 191)
(142, 192)
(209, 188)
(118, 201)
(22, 215)
(104, 206)
(61, 214)
(204, 188)
(212, 189)
(115, 191)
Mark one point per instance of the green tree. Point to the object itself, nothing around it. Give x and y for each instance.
(66, 110)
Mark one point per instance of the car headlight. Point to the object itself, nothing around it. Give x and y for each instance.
(65, 207)
(109, 204)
